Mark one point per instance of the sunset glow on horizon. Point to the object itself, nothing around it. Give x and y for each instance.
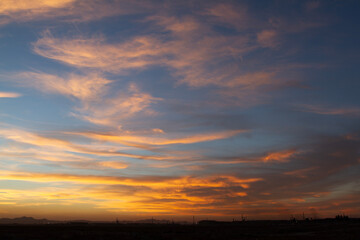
(172, 109)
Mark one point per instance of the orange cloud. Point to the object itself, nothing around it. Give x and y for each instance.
(9, 95)
(213, 181)
(22, 136)
(133, 140)
(113, 164)
(282, 156)
(8, 7)
(154, 182)
(67, 10)
(95, 53)
(41, 154)
(163, 195)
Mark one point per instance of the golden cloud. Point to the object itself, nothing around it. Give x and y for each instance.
(8, 7)
(133, 140)
(113, 164)
(55, 144)
(282, 156)
(154, 182)
(9, 95)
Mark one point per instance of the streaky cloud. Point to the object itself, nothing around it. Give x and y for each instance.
(9, 95)
(135, 140)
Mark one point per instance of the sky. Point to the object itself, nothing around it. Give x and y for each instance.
(174, 109)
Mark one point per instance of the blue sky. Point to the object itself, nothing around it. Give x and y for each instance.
(133, 109)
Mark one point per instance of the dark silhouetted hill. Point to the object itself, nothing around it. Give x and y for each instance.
(25, 220)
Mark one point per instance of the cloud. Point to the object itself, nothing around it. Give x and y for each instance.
(137, 194)
(156, 182)
(23, 10)
(95, 53)
(8, 7)
(235, 15)
(311, 179)
(314, 174)
(113, 164)
(9, 95)
(134, 140)
(282, 156)
(193, 52)
(325, 110)
(56, 144)
(190, 48)
(190, 54)
(113, 111)
(221, 55)
(83, 87)
(67, 10)
(96, 104)
(46, 154)
(57, 158)
(268, 38)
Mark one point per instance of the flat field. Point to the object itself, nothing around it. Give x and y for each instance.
(244, 230)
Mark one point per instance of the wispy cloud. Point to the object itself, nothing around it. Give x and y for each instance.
(96, 104)
(190, 51)
(82, 87)
(135, 140)
(9, 95)
(282, 156)
(113, 164)
(190, 54)
(8, 7)
(236, 16)
(326, 110)
(268, 38)
(27, 10)
(155, 181)
(56, 144)
(95, 53)
(67, 10)
(112, 111)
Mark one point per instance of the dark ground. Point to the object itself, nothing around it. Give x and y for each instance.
(241, 230)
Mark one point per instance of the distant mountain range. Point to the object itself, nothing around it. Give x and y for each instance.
(31, 220)
(25, 220)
